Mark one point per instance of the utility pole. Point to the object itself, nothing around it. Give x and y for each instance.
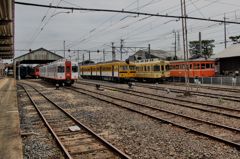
(83, 58)
(175, 45)
(64, 44)
(121, 48)
(178, 39)
(200, 43)
(225, 31)
(103, 55)
(185, 44)
(113, 52)
(89, 56)
(149, 50)
(78, 54)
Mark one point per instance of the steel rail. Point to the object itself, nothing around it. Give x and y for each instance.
(47, 124)
(237, 145)
(234, 90)
(171, 102)
(99, 138)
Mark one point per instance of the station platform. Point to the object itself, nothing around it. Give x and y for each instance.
(10, 138)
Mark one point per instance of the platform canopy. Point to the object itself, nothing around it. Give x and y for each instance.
(39, 56)
(6, 29)
(231, 51)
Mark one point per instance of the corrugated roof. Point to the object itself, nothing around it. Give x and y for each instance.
(6, 29)
(231, 51)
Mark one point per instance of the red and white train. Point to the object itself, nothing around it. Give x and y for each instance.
(62, 71)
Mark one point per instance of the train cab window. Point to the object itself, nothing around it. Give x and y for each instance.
(203, 66)
(60, 69)
(74, 68)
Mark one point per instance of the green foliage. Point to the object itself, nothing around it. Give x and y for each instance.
(207, 48)
(235, 39)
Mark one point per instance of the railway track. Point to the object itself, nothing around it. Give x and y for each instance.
(82, 143)
(215, 109)
(234, 90)
(175, 90)
(223, 133)
(203, 94)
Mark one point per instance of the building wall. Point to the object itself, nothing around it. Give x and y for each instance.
(230, 66)
(1, 68)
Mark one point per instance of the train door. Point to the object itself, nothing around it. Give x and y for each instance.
(68, 70)
(112, 71)
(100, 69)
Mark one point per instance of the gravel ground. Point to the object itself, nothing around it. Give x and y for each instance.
(194, 98)
(174, 108)
(37, 141)
(137, 135)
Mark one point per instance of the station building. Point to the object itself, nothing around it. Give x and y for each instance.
(229, 60)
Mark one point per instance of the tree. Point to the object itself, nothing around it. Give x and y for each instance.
(235, 39)
(207, 48)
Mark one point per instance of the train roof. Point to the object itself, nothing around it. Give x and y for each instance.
(149, 60)
(194, 60)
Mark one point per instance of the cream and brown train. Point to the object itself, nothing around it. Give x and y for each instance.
(144, 70)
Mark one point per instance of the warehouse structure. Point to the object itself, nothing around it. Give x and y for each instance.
(145, 54)
(39, 56)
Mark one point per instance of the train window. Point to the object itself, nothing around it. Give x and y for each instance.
(74, 68)
(149, 69)
(60, 69)
(190, 66)
(132, 68)
(167, 67)
(196, 66)
(162, 68)
(203, 66)
(208, 65)
(156, 68)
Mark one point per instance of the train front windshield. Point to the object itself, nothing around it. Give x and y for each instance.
(74, 68)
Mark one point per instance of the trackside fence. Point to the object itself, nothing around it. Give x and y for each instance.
(228, 81)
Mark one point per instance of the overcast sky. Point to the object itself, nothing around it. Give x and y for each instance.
(41, 27)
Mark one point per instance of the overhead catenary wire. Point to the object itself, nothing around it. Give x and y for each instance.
(90, 34)
(123, 11)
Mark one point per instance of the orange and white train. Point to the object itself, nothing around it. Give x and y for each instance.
(62, 71)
